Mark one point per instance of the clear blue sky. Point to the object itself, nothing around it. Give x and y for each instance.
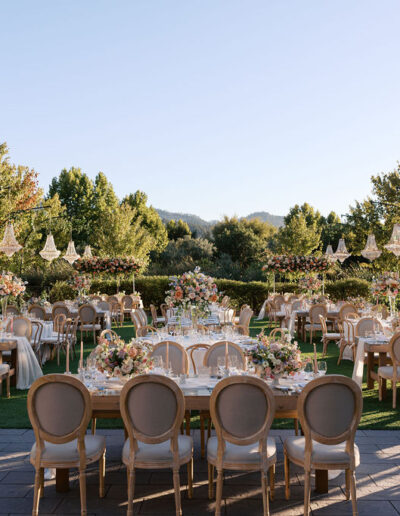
(210, 107)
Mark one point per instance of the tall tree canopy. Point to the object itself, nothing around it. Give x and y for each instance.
(178, 229)
(245, 241)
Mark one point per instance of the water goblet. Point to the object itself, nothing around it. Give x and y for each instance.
(308, 370)
(221, 367)
(322, 367)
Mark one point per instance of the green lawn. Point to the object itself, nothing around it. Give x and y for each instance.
(13, 413)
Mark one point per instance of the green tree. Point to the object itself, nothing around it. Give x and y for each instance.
(120, 233)
(149, 217)
(76, 193)
(178, 229)
(245, 241)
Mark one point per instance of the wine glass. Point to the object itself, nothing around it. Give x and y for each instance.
(233, 364)
(221, 366)
(308, 369)
(322, 367)
(158, 364)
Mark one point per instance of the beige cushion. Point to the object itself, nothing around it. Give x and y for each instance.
(90, 327)
(313, 326)
(160, 452)
(332, 335)
(387, 371)
(322, 453)
(68, 452)
(235, 453)
(4, 368)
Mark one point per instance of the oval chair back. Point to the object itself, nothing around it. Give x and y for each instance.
(22, 327)
(87, 314)
(37, 311)
(346, 308)
(316, 311)
(224, 349)
(60, 309)
(12, 311)
(196, 353)
(172, 354)
(366, 325)
(104, 305)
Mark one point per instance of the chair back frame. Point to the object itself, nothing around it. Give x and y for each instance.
(181, 349)
(227, 344)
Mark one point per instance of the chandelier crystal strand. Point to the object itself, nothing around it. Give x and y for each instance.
(371, 251)
(88, 252)
(50, 251)
(9, 245)
(394, 243)
(341, 252)
(71, 255)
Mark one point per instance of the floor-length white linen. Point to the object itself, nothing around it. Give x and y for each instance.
(261, 315)
(28, 366)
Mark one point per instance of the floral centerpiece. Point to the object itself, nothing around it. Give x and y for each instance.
(273, 358)
(10, 285)
(81, 284)
(122, 359)
(387, 285)
(193, 291)
(291, 263)
(310, 284)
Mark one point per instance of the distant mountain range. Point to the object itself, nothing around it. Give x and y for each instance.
(201, 226)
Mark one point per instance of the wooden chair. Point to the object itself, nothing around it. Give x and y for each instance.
(60, 309)
(141, 329)
(225, 349)
(5, 375)
(367, 325)
(152, 408)
(327, 336)
(244, 321)
(87, 318)
(53, 341)
(329, 411)
(348, 338)
(112, 299)
(242, 409)
(36, 339)
(12, 310)
(37, 311)
(59, 408)
(127, 305)
(104, 305)
(172, 354)
(144, 331)
(391, 372)
(278, 333)
(96, 297)
(22, 327)
(346, 308)
(314, 324)
(155, 319)
(109, 335)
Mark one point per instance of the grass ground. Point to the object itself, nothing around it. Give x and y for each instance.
(376, 415)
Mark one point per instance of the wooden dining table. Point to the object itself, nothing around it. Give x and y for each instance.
(302, 315)
(107, 406)
(382, 350)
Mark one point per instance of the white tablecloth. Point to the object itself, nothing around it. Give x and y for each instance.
(28, 369)
(358, 369)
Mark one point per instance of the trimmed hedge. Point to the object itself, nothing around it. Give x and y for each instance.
(253, 293)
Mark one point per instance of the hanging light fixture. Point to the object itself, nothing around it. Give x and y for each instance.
(50, 251)
(394, 243)
(9, 245)
(71, 255)
(88, 252)
(330, 254)
(341, 251)
(371, 251)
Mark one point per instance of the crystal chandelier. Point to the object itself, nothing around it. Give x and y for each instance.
(341, 251)
(71, 255)
(50, 251)
(330, 254)
(88, 252)
(371, 251)
(9, 245)
(394, 243)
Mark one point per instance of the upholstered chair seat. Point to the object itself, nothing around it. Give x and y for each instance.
(151, 454)
(67, 453)
(236, 454)
(321, 453)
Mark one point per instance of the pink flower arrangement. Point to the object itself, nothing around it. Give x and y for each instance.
(121, 359)
(11, 285)
(386, 285)
(81, 283)
(291, 263)
(96, 265)
(310, 284)
(275, 358)
(192, 289)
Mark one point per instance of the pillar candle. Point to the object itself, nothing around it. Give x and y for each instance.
(315, 359)
(67, 364)
(81, 360)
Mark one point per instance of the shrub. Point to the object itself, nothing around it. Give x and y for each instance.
(350, 287)
(60, 291)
